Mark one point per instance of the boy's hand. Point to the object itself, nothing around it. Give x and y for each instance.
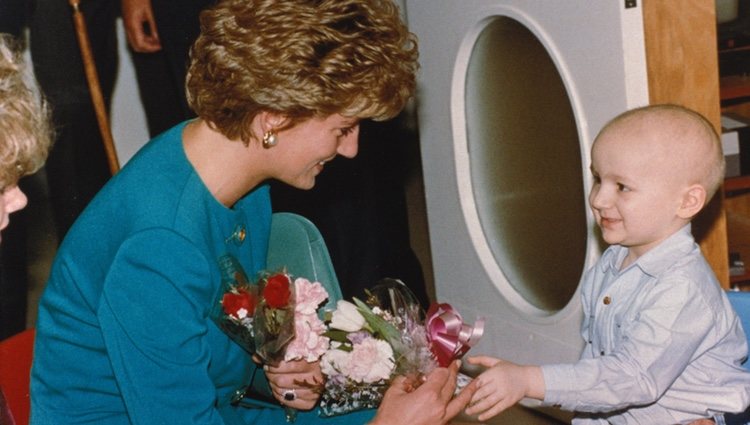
(502, 385)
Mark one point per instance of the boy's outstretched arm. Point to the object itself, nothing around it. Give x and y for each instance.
(502, 385)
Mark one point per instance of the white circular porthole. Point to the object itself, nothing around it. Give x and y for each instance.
(519, 166)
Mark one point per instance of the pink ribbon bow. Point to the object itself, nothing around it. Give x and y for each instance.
(449, 337)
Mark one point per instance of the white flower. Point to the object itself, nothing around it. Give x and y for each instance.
(370, 361)
(334, 362)
(346, 317)
(242, 313)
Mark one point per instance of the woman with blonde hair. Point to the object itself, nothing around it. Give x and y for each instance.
(25, 132)
(24, 142)
(279, 89)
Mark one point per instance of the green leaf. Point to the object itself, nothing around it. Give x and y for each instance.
(336, 335)
(380, 326)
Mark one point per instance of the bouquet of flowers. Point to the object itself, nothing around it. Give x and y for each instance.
(274, 318)
(385, 336)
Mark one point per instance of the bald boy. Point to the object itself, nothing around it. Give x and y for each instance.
(662, 343)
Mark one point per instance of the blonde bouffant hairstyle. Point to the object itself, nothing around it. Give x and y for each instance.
(301, 59)
(25, 128)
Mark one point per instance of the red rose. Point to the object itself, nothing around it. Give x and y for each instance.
(233, 303)
(277, 292)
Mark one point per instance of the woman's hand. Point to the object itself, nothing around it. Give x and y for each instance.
(297, 380)
(431, 403)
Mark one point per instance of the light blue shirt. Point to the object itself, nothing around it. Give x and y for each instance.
(663, 344)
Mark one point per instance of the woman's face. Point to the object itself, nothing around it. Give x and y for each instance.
(304, 149)
(13, 199)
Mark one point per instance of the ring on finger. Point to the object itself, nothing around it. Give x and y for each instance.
(289, 395)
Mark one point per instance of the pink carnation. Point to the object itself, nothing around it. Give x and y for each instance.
(309, 342)
(370, 361)
(309, 295)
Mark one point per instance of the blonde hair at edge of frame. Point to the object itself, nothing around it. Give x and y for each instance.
(301, 59)
(25, 129)
(684, 126)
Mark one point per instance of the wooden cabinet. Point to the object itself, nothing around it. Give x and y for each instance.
(737, 207)
(734, 93)
(682, 66)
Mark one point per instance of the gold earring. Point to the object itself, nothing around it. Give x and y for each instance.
(269, 139)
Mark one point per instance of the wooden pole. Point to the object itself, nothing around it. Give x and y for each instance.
(95, 88)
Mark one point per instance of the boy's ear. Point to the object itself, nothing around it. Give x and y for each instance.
(693, 202)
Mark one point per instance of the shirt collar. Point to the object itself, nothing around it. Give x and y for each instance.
(658, 258)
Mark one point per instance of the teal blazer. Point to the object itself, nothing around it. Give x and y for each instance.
(124, 334)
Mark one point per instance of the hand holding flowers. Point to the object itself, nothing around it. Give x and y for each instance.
(304, 377)
(276, 321)
(432, 403)
(299, 372)
(369, 349)
(373, 342)
(300, 369)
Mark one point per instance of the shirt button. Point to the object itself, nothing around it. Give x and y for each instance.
(601, 352)
(241, 233)
(607, 300)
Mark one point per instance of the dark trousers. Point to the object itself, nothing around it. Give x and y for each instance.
(13, 16)
(77, 165)
(161, 75)
(742, 418)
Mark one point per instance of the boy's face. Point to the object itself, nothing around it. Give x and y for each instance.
(637, 189)
(12, 199)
